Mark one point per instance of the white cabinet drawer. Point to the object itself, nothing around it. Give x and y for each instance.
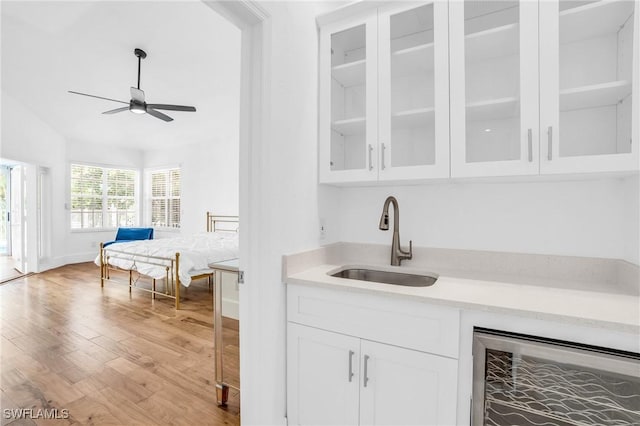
(405, 323)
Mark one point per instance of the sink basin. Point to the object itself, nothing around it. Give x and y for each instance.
(386, 277)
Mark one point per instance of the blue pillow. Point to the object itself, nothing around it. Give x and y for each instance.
(131, 234)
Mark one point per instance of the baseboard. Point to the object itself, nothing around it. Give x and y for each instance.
(56, 262)
(230, 308)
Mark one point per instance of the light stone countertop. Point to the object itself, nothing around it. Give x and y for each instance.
(548, 295)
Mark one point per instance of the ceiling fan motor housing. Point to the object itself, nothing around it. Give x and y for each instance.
(137, 107)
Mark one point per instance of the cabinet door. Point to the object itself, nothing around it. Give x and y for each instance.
(322, 377)
(405, 387)
(348, 133)
(413, 82)
(494, 88)
(589, 86)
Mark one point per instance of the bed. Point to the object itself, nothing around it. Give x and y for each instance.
(171, 262)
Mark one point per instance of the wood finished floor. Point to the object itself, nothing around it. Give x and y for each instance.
(7, 270)
(110, 358)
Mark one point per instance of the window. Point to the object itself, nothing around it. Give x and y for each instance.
(102, 197)
(165, 198)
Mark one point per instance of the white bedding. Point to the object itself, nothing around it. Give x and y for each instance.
(197, 252)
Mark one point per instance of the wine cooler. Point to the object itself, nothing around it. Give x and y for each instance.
(525, 380)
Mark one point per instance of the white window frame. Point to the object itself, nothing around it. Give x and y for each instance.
(149, 196)
(105, 196)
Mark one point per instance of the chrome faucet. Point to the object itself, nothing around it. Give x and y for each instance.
(397, 254)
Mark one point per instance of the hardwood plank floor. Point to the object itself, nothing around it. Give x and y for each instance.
(110, 357)
(7, 269)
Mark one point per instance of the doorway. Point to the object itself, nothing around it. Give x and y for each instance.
(12, 247)
(5, 202)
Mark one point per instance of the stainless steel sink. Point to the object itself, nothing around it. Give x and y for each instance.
(386, 277)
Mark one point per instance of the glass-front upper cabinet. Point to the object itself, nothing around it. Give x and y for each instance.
(589, 86)
(348, 100)
(413, 98)
(384, 94)
(494, 88)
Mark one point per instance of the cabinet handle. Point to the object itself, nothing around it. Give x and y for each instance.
(366, 378)
(351, 353)
(530, 140)
(549, 143)
(370, 158)
(382, 157)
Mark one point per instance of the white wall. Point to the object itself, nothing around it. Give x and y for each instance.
(209, 174)
(596, 218)
(284, 193)
(631, 219)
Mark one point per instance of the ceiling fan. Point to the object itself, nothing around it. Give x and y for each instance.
(137, 103)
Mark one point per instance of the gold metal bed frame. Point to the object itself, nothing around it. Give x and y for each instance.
(171, 264)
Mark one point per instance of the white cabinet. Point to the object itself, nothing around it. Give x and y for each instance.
(384, 102)
(348, 100)
(479, 88)
(354, 358)
(323, 377)
(494, 88)
(405, 387)
(335, 379)
(589, 86)
(543, 87)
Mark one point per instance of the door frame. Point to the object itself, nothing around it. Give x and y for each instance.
(255, 25)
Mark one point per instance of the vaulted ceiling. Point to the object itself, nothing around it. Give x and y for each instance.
(193, 58)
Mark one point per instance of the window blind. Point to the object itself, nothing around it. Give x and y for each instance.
(102, 197)
(165, 198)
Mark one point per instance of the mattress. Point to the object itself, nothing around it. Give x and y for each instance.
(197, 252)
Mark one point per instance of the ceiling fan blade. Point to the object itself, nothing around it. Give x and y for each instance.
(137, 95)
(158, 114)
(99, 97)
(113, 111)
(172, 107)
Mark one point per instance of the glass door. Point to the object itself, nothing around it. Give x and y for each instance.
(494, 88)
(589, 86)
(527, 380)
(348, 101)
(17, 212)
(413, 91)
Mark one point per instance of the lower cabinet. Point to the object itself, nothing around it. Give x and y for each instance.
(335, 379)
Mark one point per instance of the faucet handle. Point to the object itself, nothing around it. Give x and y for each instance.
(407, 254)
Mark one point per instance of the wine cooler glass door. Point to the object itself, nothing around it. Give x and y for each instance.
(519, 380)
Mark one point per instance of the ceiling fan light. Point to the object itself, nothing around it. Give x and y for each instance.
(137, 108)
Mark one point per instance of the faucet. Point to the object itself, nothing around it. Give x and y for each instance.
(397, 254)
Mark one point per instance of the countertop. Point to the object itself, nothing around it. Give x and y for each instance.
(551, 298)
